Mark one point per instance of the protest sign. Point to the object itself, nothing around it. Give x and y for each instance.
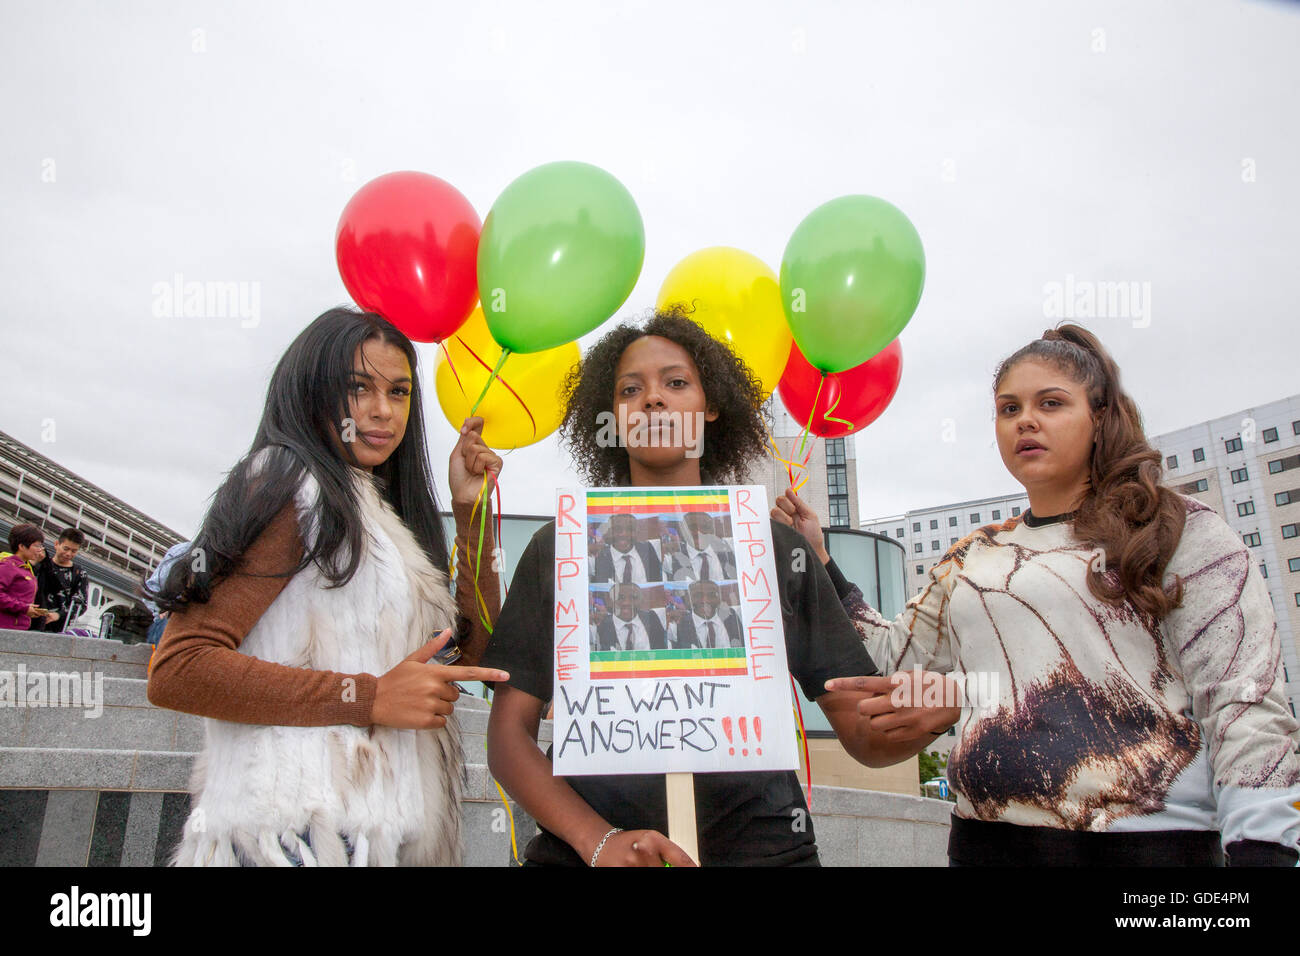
(669, 642)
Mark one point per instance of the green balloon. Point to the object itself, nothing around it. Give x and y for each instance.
(851, 278)
(560, 251)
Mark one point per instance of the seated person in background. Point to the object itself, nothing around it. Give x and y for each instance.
(631, 628)
(708, 624)
(623, 558)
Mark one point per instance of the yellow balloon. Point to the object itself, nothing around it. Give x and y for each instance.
(522, 406)
(737, 299)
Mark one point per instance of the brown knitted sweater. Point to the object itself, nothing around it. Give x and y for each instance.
(198, 669)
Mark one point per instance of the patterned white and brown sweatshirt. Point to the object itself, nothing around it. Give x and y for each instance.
(1102, 719)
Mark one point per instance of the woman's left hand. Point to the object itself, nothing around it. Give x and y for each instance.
(470, 460)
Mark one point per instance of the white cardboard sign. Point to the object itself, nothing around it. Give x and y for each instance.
(669, 643)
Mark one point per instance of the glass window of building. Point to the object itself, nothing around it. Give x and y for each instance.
(1263, 569)
(952, 521)
(975, 517)
(1270, 435)
(920, 569)
(952, 541)
(916, 526)
(837, 481)
(898, 532)
(835, 451)
(918, 547)
(1252, 539)
(1290, 530)
(1295, 428)
(1239, 475)
(1292, 564)
(934, 523)
(1245, 508)
(934, 545)
(1232, 445)
(997, 515)
(1015, 511)
(1284, 497)
(1171, 462)
(1198, 454)
(839, 517)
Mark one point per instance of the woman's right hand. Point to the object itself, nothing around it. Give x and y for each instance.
(791, 511)
(642, 848)
(417, 695)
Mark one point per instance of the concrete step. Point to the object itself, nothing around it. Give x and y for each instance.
(38, 651)
(114, 713)
(60, 768)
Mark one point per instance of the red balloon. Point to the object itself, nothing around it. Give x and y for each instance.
(858, 395)
(407, 248)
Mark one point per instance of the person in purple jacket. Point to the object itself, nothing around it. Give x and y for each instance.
(18, 581)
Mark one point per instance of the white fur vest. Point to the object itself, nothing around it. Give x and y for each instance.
(258, 791)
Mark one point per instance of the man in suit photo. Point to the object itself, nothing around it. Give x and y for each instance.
(710, 623)
(701, 555)
(631, 628)
(622, 557)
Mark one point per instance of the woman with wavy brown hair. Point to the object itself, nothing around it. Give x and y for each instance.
(1138, 716)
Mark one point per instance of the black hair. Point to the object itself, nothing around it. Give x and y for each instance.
(306, 407)
(731, 443)
(21, 535)
(75, 536)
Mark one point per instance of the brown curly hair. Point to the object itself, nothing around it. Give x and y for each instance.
(731, 443)
(1126, 512)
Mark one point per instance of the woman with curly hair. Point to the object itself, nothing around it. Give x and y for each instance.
(655, 379)
(1139, 717)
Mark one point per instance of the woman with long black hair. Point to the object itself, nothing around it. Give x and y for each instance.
(1139, 715)
(304, 619)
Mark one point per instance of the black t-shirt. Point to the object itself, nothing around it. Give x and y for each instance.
(749, 819)
(57, 584)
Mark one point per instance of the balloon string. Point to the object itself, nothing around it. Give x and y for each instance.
(811, 412)
(502, 380)
(827, 414)
(790, 465)
(514, 846)
(443, 345)
(478, 563)
(505, 353)
(474, 566)
(803, 738)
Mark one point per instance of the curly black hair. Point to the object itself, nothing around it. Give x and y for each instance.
(731, 443)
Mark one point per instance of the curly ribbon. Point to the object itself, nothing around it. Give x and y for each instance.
(452, 365)
(505, 354)
(827, 414)
(803, 739)
(811, 412)
(790, 465)
(500, 378)
(514, 846)
(477, 563)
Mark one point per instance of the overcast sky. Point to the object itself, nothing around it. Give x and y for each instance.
(1153, 143)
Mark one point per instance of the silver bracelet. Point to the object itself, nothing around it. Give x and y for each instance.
(601, 845)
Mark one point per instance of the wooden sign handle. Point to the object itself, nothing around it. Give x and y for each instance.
(681, 813)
